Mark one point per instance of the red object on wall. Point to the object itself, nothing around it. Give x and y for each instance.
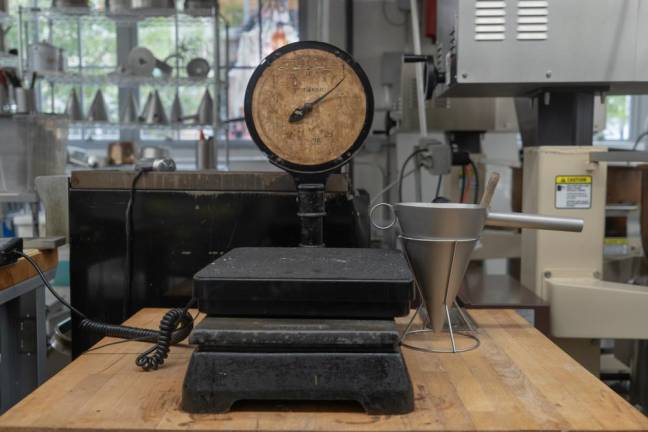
(431, 19)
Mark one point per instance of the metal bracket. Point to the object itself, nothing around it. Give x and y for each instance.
(619, 156)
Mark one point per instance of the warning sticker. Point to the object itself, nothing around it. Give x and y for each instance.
(573, 192)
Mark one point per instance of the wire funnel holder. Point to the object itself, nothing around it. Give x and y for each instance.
(439, 266)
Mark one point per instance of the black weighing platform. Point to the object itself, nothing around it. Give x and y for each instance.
(301, 324)
(306, 282)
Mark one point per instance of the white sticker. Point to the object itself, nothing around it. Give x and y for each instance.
(574, 192)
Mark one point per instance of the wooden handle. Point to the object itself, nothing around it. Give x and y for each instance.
(489, 191)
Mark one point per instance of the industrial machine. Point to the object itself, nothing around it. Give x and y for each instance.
(541, 53)
(307, 323)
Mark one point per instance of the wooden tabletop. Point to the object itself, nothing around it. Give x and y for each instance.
(22, 270)
(516, 380)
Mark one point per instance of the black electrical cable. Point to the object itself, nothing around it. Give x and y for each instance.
(175, 326)
(128, 267)
(476, 175)
(463, 183)
(438, 188)
(401, 173)
(143, 339)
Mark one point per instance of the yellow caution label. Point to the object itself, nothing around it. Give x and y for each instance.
(616, 241)
(574, 180)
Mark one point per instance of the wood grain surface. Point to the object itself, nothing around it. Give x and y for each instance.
(334, 124)
(516, 381)
(22, 270)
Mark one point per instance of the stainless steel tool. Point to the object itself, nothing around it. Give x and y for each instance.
(439, 240)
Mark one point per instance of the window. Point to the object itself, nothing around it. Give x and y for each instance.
(95, 41)
(239, 50)
(619, 110)
(279, 26)
(98, 44)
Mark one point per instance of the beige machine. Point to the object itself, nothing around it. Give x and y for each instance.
(566, 269)
(564, 181)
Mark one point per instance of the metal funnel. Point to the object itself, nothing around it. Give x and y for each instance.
(130, 112)
(427, 220)
(98, 111)
(438, 241)
(205, 114)
(73, 107)
(439, 267)
(176, 110)
(147, 106)
(153, 112)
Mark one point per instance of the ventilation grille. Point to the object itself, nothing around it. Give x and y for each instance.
(533, 20)
(490, 20)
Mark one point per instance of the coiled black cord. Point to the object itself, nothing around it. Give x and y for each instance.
(174, 327)
(154, 357)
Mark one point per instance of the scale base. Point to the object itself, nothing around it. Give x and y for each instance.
(378, 381)
(241, 359)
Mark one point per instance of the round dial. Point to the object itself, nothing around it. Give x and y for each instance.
(309, 106)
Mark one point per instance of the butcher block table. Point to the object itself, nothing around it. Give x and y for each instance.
(516, 380)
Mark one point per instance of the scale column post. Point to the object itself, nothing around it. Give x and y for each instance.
(311, 212)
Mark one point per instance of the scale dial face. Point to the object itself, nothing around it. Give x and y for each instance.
(309, 106)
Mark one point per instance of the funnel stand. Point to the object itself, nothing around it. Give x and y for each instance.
(469, 334)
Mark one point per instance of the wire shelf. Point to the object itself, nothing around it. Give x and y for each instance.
(136, 126)
(123, 80)
(126, 16)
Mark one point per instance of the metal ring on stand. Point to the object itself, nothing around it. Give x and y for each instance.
(454, 349)
(440, 351)
(389, 225)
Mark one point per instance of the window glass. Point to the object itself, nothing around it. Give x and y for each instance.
(618, 119)
(279, 26)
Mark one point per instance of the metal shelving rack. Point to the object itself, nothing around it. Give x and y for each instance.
(80, 77)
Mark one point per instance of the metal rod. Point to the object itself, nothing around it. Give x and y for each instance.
(227, 101)
(533, 221)
(217, 81)
(452, 339)
(260, 23)
(21, 52)
(80, 67)
(464, 317)
(420, 88)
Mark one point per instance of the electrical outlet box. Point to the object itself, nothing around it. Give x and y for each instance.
(436, 157)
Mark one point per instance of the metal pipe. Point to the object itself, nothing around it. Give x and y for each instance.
(533, 221)
(420, 86)
(216, 119)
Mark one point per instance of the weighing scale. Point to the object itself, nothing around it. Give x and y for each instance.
(303, 323)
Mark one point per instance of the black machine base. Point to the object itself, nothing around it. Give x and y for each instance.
(241, 359)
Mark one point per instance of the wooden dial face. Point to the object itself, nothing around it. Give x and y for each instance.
(317, 135)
